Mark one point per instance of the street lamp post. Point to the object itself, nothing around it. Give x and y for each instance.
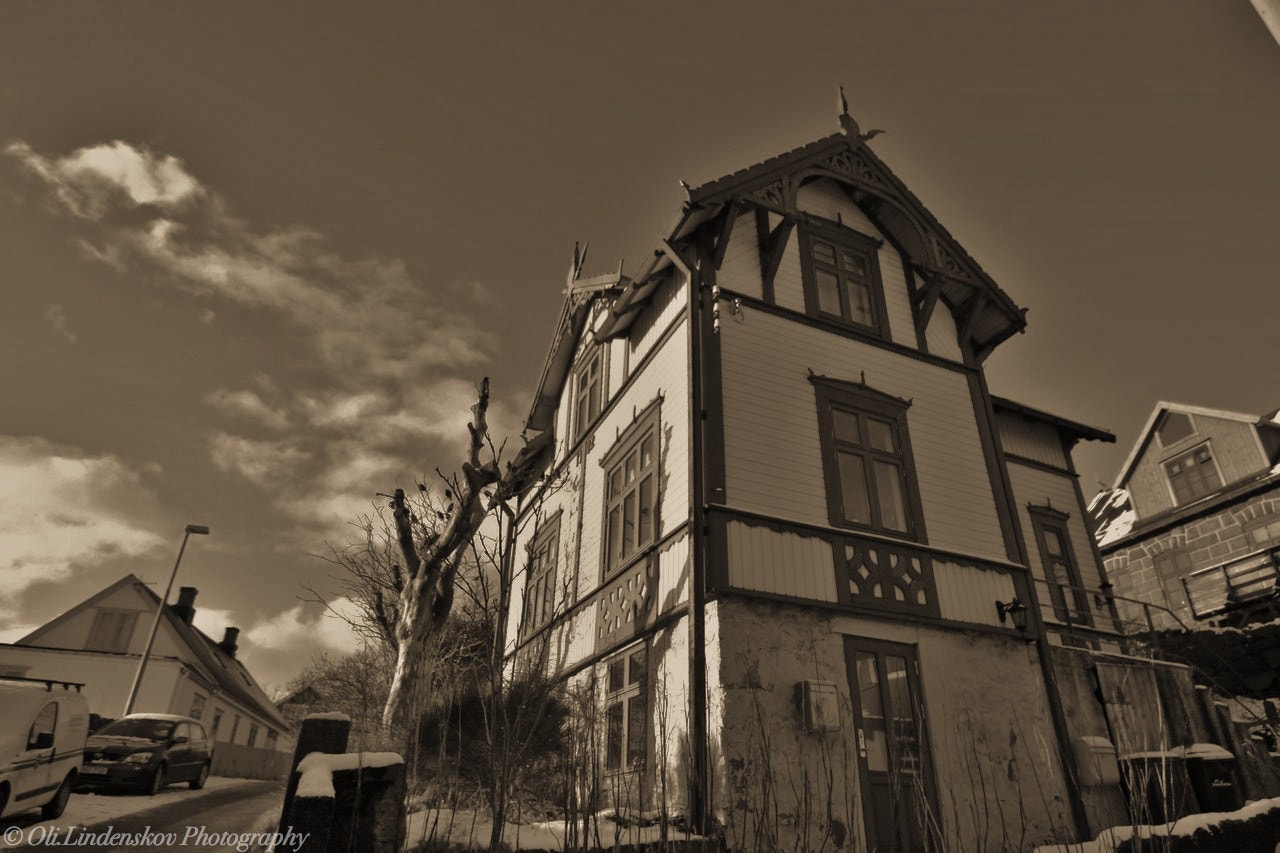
(200, 530)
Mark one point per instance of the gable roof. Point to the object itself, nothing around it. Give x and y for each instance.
(1144, 435)
(209, 659)
(985, 312)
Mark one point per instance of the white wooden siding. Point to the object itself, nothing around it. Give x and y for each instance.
(740, 269)
(969, 594)
(825, 198)
(674, 569)
(1030, 439)
(941, 335)
(784, 563)
(788, 286)
(617, 361)
(773, 464)
(1038, 487)
(669, 301)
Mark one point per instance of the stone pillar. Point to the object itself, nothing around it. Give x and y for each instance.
(325, 733)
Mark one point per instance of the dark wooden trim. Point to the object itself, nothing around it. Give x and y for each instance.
(730, 216)
(1048, 518)
(924, 312)
(1001, 488)
(842, 235)
(659, 623)
(864, 400)
(1091, 531)
(763, 252)
(850, 332)
(1027, 462)
(702, 287)
(711, 415)
(969, 313)
(777, 247)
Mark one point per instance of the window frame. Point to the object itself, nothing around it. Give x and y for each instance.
(842, 237)
(1172, 581)
(867, 403)
(198, 703)
(580, 426)
(1164, 420)
(1172, 479)
(98, 627)
(1046, 518)
(532, 617)
(630, 757)
(648, 423)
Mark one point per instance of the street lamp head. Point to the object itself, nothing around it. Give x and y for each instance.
(198, 528)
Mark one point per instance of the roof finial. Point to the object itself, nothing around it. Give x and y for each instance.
(850, 126)
(575, 268)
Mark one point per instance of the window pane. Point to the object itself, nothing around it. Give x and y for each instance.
(636, 675)
(1053, 542)
(853, 488)
(828, 293)
(882, 437)
(646, 510)
(906, 742)
(860, 303)
(893, 515)
(872, 712)
(824, 252)
(616, 675)
(628, 524)
(615, 483)
(615, 536)
(635, 731)
(646, 451)
(613, 737)
(629, 469)
(845, 426)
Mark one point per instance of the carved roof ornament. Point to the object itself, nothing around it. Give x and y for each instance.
(850, 126)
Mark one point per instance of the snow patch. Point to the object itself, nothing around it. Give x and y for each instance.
(1206, 751)
(1113, 514)
(329, 715)
(1109, 839)
(317, 769)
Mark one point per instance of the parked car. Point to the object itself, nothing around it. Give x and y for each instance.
(43, 724)
(147, 752)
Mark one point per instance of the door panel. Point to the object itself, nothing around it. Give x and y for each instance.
(897, 791)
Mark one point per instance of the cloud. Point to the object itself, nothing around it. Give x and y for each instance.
(207, 316)
(271, 465)
(90, 180)
(61, 509)
(248, 404)
(57, 318)
(297, 629)
(213, 621)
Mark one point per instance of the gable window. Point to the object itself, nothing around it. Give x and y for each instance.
(1193, 474)
(540, 595)
(625, 710)
(1061, 573)
(197, 706)
(1171, 568)
(842, 277)
(631, 492)
(587, 393)
(1173, 427)
(866, 452)
(111, 631)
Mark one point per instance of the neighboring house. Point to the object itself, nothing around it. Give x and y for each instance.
(101, 640)
(787, 536)
(1192, 524)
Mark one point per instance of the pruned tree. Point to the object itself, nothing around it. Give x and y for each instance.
(433, 553)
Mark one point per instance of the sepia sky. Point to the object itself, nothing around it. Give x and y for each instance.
(254, 257)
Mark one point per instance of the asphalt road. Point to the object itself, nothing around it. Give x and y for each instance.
(216, 821)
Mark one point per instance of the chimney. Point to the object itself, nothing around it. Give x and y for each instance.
(228, 643)
(185, 609)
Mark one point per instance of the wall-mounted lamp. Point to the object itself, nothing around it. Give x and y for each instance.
(1015, 610)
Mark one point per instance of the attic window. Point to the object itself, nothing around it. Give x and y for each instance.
(1174, 426)
(842, 277)
(111, 630)
(1193, 474)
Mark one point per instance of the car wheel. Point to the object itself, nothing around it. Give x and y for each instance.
(157, 782)
(55, 807)
(198, 782)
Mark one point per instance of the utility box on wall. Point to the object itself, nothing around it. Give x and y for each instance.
(819, 706)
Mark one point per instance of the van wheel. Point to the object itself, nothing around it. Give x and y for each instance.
(157, 782)
(198, 782)
(55, 807)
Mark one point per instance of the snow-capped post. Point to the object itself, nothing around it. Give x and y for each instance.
(327, 733)
(431, 567)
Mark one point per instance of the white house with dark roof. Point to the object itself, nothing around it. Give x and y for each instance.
(100, 642)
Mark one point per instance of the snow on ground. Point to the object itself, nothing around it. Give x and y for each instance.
(1109, 839)
(88, 808)
(471, 829)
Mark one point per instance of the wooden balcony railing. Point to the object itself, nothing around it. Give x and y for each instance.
(1239, 582)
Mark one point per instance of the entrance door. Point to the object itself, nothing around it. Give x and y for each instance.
(893, 761)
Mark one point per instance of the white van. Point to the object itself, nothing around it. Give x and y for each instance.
(43, 726)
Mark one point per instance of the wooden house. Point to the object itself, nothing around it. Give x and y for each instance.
(818, 584)
(1190, 530)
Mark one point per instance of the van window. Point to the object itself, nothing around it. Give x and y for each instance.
(45, 721)
(197, 734)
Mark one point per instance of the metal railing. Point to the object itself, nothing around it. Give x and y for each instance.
(1237, 582)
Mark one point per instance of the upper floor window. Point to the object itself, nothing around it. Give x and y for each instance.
(631, 492)
(1193, 474)
(625, 710)
(1173, 427)
(870, 475)
(197, 706)
(540, 597)
(111, 630)
(588, 386)
(1062, 574)
(842, 277)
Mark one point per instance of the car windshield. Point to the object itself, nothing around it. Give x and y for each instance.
(156, 730)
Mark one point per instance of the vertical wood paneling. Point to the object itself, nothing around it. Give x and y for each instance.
(1030, 439)
(969, 594)
(669, 301)
(740, 270)
(674, 571)
(788, 286)
(784, 563)
(941, 335)
(773, 463)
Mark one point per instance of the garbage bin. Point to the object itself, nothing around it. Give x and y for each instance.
(1211, 770)
(1158, 788)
